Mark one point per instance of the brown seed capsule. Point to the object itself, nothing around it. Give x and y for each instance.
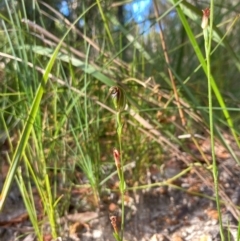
(113, 220)
(116, 155)
(206, 14)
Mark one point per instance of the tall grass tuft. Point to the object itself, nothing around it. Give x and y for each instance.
(57, 130)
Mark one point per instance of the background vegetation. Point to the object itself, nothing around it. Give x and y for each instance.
(57, 126)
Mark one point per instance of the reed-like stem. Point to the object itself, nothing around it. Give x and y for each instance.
(207, 33)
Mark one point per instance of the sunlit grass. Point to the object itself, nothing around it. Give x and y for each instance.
(61, 127)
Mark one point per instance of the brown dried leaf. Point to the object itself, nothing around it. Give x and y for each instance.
(76, 227)
(176, 237)
(213, 214)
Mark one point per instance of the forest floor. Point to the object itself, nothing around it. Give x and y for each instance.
(183, 210)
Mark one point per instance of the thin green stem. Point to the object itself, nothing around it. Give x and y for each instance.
(207, 39)
(120, 170)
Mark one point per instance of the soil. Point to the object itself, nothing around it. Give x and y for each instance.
(182, 210)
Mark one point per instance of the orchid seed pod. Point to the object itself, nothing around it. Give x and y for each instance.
(116, 156)
(119, 98)
(206, 14)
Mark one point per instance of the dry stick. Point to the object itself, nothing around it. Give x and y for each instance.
(164, 47)
(195, 117)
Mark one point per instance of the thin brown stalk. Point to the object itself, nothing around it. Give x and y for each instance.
(164, 47)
